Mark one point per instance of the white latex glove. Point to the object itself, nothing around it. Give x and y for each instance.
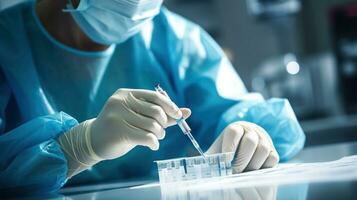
(252, 145)
(129, 118)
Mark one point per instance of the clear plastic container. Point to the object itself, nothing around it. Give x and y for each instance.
(191, 168)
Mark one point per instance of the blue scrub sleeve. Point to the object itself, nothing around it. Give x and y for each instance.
(216, 94)
(31, 160)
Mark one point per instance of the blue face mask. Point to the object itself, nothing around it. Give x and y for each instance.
(113, 21)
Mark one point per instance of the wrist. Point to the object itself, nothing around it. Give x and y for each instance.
(77, 148)
(88, 137)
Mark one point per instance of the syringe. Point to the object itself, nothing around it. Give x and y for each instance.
(183, 125)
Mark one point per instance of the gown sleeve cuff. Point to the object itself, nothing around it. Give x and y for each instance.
(31, 159)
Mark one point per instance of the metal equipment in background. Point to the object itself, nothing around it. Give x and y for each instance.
(280, 15)
(273, 8)
(322, 87)
(343, 23)
(308, 81)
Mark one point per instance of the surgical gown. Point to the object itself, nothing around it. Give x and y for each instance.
(46, 88)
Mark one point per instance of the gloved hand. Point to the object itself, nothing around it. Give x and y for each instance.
(129, 118)
(253, 147)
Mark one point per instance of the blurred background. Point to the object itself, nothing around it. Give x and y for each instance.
(303, 50)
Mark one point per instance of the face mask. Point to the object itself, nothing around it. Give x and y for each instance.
(113, 21)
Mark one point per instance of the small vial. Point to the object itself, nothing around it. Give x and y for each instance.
(195, 168)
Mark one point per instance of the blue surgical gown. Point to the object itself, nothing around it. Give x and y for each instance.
(46, 88)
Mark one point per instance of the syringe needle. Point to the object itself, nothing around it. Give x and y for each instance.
(187, 131)
(184, 126)
(195, 144)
